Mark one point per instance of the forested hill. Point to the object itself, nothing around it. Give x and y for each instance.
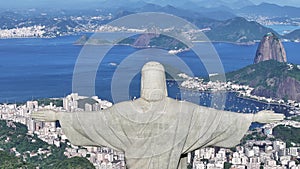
(270, 79)
(15, 140)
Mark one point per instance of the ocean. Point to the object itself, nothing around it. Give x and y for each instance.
(42, 68)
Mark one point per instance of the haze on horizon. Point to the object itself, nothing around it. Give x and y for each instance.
(77, 4)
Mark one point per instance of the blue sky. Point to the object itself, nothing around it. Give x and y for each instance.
(65, 3)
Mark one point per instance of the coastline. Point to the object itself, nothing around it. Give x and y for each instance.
(261, 101)
(249, 43)
(237, 94)
(230, 42)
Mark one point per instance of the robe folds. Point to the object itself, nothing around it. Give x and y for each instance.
(155, 134)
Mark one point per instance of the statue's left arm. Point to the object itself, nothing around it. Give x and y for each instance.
(212, 127)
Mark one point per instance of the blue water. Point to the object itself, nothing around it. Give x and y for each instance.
(42, 68)
(36, 68)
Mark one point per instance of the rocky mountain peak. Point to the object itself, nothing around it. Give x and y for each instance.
(270, 48)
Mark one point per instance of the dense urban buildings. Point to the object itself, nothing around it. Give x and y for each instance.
(252, 154)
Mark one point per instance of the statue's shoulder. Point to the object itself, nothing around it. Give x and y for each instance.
(124, 104)
(181, 103)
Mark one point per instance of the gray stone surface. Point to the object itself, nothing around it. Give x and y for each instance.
(155, 130)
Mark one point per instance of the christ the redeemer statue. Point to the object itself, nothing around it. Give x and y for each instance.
(155, 130)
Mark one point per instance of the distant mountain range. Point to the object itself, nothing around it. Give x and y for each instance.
(237, 30)
(270, 10)
(236, 7)
(220, 22)
(233, 6)
(224, 25)
(69, 4)
(236, 4)
(294, 35)
(149, 40)
(185, 11)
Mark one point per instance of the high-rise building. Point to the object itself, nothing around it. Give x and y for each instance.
(294, 151)
(88, 107)
(31, 105)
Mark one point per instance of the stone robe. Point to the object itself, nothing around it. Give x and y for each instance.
(155, 134)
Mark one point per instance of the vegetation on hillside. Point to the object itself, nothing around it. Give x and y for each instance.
(257, 74)
(10, 161)
(270, 79)
(238, 30)
(255, 135)
(287, 134)
(158, 41)
(74, 163)
(295, 118)
(13, 136)
(47, 101)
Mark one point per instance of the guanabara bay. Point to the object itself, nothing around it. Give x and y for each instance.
(134, 84)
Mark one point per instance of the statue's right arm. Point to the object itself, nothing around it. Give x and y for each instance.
(69, 123)
(84, 128)
(46, 115)
(73, 125)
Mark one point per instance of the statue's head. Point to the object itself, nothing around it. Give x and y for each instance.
(153, 82)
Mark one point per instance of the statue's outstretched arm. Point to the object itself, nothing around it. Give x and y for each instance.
(70, 123)
(267, 116)
(84, 128)
(46, 115)
(212, 127)
(263, 116)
